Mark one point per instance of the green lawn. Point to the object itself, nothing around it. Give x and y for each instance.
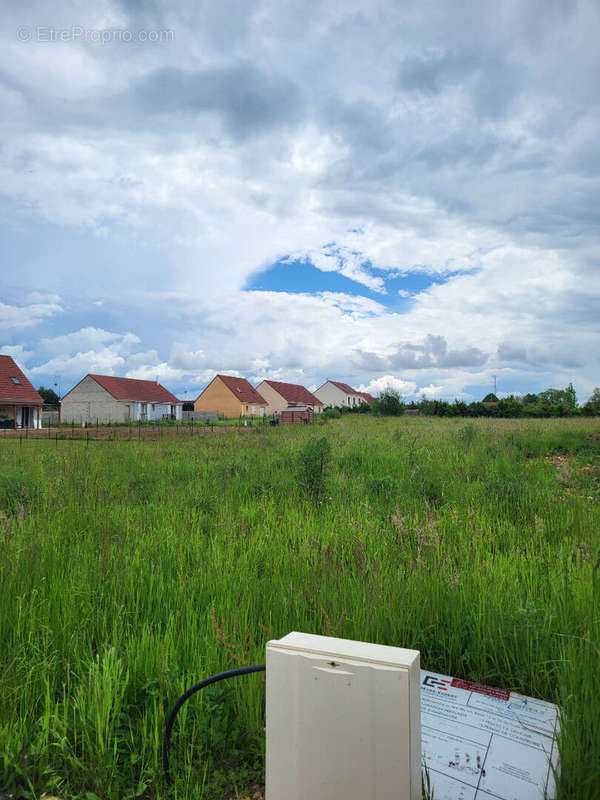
(129, 570)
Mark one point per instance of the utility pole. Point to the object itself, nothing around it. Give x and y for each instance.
(494, 377)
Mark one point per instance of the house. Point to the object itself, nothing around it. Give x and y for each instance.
(368, 398)
(231, 397)
(20, 404)
(297, 415)
(490, 400)
(284, 395)
(335, 393)
(104, 398)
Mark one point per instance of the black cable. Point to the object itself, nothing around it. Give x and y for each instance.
(232, 673)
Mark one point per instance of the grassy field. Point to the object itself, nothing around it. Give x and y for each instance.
(130, 569)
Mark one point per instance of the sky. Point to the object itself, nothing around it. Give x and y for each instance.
(399, 194)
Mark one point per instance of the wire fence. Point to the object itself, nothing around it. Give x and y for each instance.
(140, 431)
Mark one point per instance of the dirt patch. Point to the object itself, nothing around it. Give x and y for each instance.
(577, 478)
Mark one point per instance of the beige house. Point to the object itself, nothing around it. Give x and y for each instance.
(104, 398)
(286, 395)
(336, 393)
(231, 397)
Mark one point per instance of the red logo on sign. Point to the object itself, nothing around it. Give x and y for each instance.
(499, 694)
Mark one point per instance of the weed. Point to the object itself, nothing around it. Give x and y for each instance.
(314, 461)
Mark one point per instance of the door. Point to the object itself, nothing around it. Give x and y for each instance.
(26, 417)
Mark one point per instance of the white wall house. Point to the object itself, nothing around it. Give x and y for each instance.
(20, 404)
(104, 398)
(336, 393)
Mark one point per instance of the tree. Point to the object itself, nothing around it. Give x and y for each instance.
(592, 407)
(49, 396)
(552, 397)
(390, 403)
(570, 396)
(557, 397)
(594, 398)
(530, 398)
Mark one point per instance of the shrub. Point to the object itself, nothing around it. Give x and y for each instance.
(468, 434)
(389, 403)
(314, 460)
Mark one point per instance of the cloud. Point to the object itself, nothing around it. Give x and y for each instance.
(432, 353)
(103, 362)
(347, 262)
(249, 100)
(378, 385)
(18, 352)
(27, 316)
(73, 355)
(432, 392)
(371, 141)
(491, 80)
(89, 338)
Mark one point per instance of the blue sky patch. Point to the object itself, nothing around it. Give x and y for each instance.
(303, 277)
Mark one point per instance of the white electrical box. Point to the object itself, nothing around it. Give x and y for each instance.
(343, 720)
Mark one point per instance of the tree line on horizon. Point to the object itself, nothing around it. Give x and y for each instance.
(549, 403)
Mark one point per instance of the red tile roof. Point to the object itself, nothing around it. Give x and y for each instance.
(294, 393)
(244, 392)
(135, 390)
(21, 393)
(344, 387)
(368, 398)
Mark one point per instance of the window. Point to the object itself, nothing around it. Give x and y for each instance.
(15, 380)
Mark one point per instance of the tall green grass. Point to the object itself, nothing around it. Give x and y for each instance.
(129, 570)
